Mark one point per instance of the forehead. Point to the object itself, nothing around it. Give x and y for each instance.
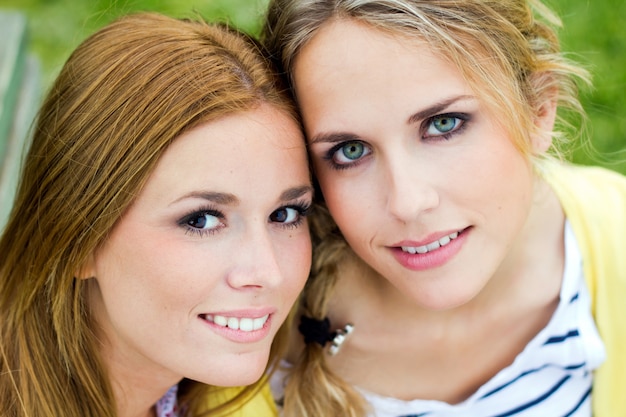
(352, 66)
(361, 43)
(348, 48)
(233, 154)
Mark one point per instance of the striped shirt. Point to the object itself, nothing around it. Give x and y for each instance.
(552, 376)
(166, 406)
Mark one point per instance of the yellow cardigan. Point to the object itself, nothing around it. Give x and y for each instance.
(594, 201)
(260, 405)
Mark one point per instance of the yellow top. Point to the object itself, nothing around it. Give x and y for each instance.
(260, 405)
(594, 201)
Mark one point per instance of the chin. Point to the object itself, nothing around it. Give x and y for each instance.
(232, 378)
(240, 369)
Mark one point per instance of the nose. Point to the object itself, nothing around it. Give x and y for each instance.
(256, 262)
(410, 190)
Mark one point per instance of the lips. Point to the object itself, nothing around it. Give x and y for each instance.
(244, 324)
(431, 252)
(436, 244)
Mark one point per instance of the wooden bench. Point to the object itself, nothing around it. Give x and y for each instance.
(20, 95)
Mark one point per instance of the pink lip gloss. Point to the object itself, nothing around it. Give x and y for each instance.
(431, 259)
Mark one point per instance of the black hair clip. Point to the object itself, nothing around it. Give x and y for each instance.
(318, 331)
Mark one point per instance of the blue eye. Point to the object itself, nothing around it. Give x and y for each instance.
(443, 125)
(202, 221)
(285, 215)
(291, 216)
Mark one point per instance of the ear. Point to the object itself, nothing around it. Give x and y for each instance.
(87, 269)
(544, 123)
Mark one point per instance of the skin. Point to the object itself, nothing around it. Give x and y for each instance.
(218, 230)
(406, 154)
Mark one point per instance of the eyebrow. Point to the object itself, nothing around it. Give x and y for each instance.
(218, 198)
(337, 137)
(295, 192)
(230, 199)
(436, 108)
(333, 138)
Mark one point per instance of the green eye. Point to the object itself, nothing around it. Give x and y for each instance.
(444, 124)
(348, 154)
(351, 151)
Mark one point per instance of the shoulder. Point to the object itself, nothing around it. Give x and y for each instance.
(594, 202)
(566, 175)
(590, 192)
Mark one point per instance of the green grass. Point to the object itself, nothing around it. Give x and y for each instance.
(58, 26)
(593, 33)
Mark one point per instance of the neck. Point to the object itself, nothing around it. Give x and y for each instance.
(137, 402)
(136, 390)
(137, 382)
(136, 387)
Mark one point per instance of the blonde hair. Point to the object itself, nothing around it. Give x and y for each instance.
(508, 52)
(123, 96)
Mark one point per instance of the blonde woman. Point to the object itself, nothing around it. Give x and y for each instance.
(159, 237)
(469, 273)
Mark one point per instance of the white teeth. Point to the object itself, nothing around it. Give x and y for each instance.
(258, 323)
(245, 324)
(431, 246)
(421, 249)
(220, 321)
(233, 323)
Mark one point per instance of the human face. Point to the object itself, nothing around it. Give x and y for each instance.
(202, 269)
(409, 160)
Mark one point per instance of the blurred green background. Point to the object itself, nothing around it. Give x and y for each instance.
(594, 34)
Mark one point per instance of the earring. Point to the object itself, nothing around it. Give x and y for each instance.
(340, 337)
(318, 331)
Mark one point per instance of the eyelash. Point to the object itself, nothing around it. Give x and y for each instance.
(463, 118)
(184, 222)
(303, 209)
(330, 155)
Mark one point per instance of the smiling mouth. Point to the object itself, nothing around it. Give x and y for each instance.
(245, 324)
(431, 246)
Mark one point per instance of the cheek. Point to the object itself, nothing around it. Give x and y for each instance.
(508, 171)
(334, 191)
(152, 259)
(151, 267)
(500, 189)
(337, 201)
(349, 201)
(295, 259)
